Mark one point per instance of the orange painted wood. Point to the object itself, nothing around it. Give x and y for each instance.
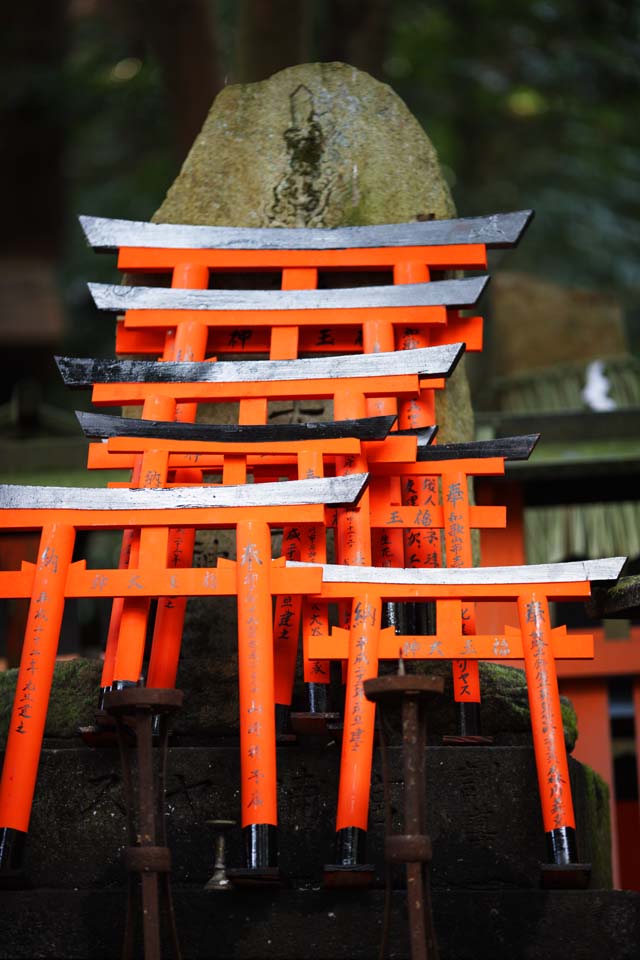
(359, 714)
(197, 517)
(472, 591)
(35, 675)
(322, 317)
(258, 786)
(451, 644)
(432, 517)
(186, 343)
(617, 657)
(133, 394)
(148, 260)
(321, 339)
(500, 547)
(546, 715)
(459, 553)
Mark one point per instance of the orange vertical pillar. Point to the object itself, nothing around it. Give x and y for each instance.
(458, 551)
(258, 789)
(288, 609)
(548, 734)
(357, 740)
(155, 408)
(190, 344)
(35, 676)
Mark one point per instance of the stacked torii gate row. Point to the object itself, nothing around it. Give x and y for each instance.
(450, 512)
(347, 380)
(231, 460)
(252, 510)
(183, 327)
(410, 251)
(348, 387)
(454, 463)
(531, 587)
(252, 383)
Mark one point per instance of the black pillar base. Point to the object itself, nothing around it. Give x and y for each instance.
(123, 685)
(562, 848)
(261, 857)
(12, 875)
(469, 728)
(564, 872)
(101, 695)
(349, 868)
(284, 732)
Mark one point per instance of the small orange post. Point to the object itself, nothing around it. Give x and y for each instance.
(357, 742)
(257, 715)
(155, 408)
(459, 553)
(35, 676)
(548, 734)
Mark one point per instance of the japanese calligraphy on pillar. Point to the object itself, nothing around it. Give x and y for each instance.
(364, 619)
(546, 717)
(456, 522)
(250, 561)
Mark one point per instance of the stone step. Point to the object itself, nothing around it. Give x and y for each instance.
(323, 925)
(483, 814)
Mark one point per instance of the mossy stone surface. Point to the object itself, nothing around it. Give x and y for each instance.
(73, 702)
(315, 145)
(210, 685)
(592, 805)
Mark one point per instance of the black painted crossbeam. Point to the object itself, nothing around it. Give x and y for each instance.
(426, 361)
(102, 426)
(510, 448)
(498, 230)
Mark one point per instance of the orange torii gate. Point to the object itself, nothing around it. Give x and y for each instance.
(449, 510)
(269, 460)
(184, 325)
(253, 383)
(408, 252)
(235, 454)
(532, 588)
(313, 321)
(252, 510)
(348, 380)
(454, 463)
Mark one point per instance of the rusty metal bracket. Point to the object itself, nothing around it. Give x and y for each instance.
(141, 710)
(409, 695)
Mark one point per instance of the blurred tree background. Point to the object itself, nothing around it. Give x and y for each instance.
(530, 103)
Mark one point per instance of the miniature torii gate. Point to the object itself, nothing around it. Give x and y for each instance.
(171, 324)
(410, 251)
(475, 458)
(536, 642)
(254, 578)
(451, 511)
(348, 380)
(454, 463)
(239, 453)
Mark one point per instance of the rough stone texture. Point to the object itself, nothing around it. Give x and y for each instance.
(210, 686)
(74, 696)
(536, 324)
(318, 925)
(316, 145)
(483, 815)
(320, 145)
